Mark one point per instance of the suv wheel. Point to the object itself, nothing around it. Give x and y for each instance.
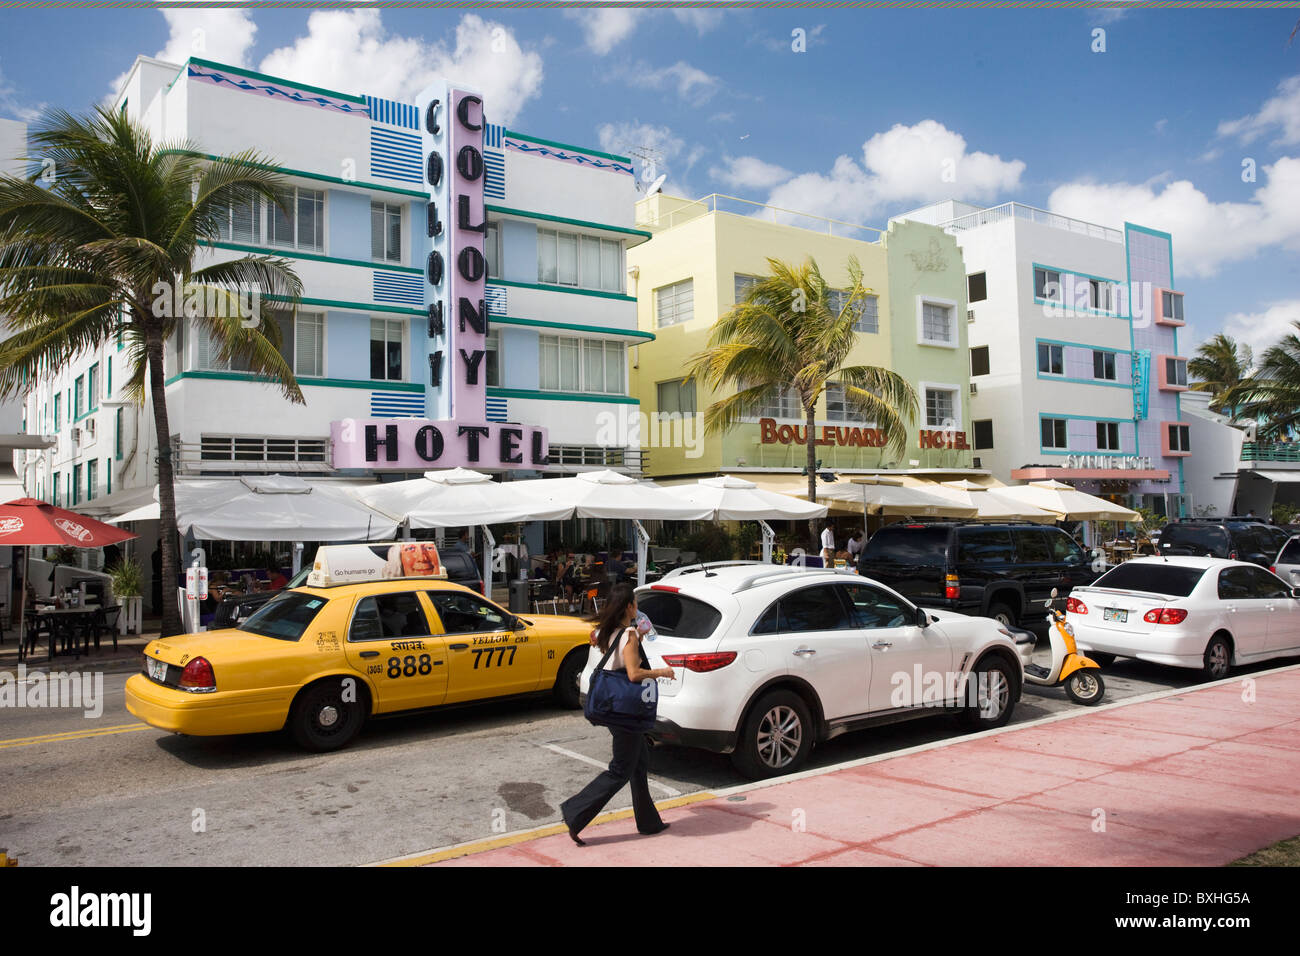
(776, 737)
(991, 694)
(1002, 614)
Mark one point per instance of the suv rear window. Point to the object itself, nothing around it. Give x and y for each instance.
(675, 615)
(1169, 579)
(1291, 553)
(986, 545)
(285, 617)
(1205, 539)
(460, 566)
(925, 546)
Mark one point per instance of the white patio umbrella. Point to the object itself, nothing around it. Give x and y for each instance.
(989, 504)
(887, 496)
(608, 494)
(735, 499)
(276, 508)
(1069, 503)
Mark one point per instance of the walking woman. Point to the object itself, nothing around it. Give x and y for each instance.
(631, 754)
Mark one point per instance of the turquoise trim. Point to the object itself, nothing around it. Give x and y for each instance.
(570, 327)
(1044, 450)
(1073, 272)
(561, 396)
(1084, 345)
(1132, 339)
(551, 142)
(315, 257)
(351, 306)
(562, 288)
(252, 75)
(1085, 381)
(307, 382)
(1083, 418)
(507, 211)
(303, 174)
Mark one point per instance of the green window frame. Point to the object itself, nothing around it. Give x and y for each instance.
(92, 394)
(78, 403)
(58, 501)
(58, 411)
(117, 438)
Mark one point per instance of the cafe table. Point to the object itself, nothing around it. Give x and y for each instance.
(59, 617)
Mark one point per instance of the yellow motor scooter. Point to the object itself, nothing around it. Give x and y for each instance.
(1080, 675)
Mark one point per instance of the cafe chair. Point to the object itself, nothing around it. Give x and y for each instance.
(37, 627)
(105, 619)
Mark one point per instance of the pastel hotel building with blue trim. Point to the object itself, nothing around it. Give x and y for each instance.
(556, 223)
(1076, 373)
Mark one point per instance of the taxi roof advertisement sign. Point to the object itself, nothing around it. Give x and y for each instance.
(381, 561)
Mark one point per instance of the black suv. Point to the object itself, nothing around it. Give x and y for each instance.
(1002, 571)
(1241, 539)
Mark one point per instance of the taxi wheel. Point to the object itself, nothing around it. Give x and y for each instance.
(322, 720)
(568, 680)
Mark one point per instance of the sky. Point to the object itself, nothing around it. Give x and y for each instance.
(1187, 121)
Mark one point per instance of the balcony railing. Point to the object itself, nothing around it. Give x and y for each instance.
(1270, 451)
(1015, 210)
(716, 202)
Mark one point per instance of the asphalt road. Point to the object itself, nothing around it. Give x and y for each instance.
(110, 791)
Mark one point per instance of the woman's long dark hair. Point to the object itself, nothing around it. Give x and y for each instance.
(611, 619)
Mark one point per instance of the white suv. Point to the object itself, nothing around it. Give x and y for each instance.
(770, 660)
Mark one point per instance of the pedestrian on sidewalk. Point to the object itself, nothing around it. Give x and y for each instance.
(631, 753)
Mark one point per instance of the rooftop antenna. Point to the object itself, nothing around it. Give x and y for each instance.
(651, 159)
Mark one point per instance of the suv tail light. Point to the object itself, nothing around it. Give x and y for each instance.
(198, 676)
(1273, 568)
(951, 586)
(1165, 615)
(700, 663)
(1075, 606)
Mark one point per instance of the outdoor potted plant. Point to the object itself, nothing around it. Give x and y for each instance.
(127, 578)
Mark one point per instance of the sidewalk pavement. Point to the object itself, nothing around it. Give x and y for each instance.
(125, 657)
(1198, 777)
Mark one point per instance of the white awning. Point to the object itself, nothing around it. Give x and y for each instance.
(735, 499)
(457, 497)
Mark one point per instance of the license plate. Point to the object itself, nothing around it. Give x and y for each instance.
(1115, 614)
(156, 669)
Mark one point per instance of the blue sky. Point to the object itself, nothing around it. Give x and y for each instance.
(1154, 129)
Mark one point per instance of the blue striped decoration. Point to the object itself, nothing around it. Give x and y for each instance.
(496, 409)
(492, 134)
(396, 405)
(494, 174)
(395, 155)
(495, 297)
(393, 113)
(403, 287)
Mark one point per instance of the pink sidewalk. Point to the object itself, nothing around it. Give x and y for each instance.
(1197, 779)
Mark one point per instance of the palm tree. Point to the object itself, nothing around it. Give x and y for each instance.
(1220, 367)
(99, 251)
(1272, 395)
(793, 331)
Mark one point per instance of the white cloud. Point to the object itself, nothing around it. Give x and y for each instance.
(606, 27)
(919, 163)
(1282, 113)
(1262, 330)
(690, 82)
(223, 35)
(749, 172)
(351, 51)
(702, 19)
(10, 105)
(1206, 234)
(626, 138)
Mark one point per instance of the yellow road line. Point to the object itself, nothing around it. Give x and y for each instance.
(71, 735)
(511, 839)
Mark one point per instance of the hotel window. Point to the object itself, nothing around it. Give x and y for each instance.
(1180, 438)
(1176, 371)
(581, 365)
(492, 361)
(1051, 359)
(1101, 295)
(117, 440)
(977, 287)
(92, 478)
(559, 363)
(92, 388)
(58, 412)
(492, 250)
(74, 489)
(385, 232)
(940, 407)
(240, 219)
(781, 402)
(743, 283)
(1171, 305)
(1053, 433)
(303, 226)
(302, 343)
(79, 404)
(1108, 436)
(386, 350)
(58, 497)
(588, 262)
(1103, 365)
(602, 366)
(983, 433)
(979, 360)
(866, 310)
(1047, 284)
(937, 326)
(676, 397)
(837, 406)
(674, 303)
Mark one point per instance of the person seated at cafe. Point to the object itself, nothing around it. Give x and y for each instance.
(566, 580)
(615, 566)
(278, 581)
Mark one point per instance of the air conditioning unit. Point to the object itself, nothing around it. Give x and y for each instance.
(977, 463)
(76, 436)
(974, 389)
(90, 428)
(970, 315)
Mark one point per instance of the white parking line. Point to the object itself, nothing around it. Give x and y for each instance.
(596, 763)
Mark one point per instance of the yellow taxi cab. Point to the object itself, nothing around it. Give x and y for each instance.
(322, 658)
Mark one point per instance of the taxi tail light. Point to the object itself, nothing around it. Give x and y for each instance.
(700, 663)
(951, 586)
(1165, 615)
(1075, 606)
(198, 675)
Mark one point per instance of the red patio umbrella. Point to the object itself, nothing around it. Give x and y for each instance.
(27, 522)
